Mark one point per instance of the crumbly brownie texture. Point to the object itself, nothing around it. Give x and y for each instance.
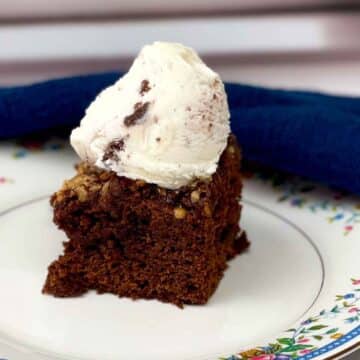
(138, 240)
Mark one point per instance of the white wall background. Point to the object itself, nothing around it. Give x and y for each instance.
(316, 51)
(57, 8)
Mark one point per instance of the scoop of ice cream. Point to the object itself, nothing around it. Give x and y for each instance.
(166, 121)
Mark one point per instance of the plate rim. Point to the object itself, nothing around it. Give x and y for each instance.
(343, 351)
(345, 348)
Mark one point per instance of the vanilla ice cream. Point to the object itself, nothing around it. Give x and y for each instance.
(165, 122)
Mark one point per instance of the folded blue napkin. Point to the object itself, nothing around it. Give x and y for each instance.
(306, 133)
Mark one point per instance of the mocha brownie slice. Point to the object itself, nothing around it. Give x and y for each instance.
(139, 240)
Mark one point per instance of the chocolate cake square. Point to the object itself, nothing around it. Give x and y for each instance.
(138, 240)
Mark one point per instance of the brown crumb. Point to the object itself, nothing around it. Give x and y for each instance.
(112, 148)
(144, 87)
(140, 183)
(139, 111)
(207, 210)
(158, 139)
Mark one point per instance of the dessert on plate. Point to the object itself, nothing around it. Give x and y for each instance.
(153, 211)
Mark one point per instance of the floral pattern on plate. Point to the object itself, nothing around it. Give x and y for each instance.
(311, 333)
(305, 194)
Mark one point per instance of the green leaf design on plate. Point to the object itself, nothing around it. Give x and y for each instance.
(313, 319)
(317, 337)
(332, 331)
(275, 347)
(286, 341)
(296, 348)
(317, 327)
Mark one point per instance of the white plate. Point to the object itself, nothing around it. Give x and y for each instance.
(301, 274)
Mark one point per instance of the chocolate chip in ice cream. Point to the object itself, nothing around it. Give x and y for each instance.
(139, 111)
(112, 148)
(145, 87)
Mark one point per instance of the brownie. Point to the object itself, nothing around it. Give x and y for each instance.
(139, 240)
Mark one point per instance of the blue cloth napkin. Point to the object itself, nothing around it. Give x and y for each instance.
(306, 133)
